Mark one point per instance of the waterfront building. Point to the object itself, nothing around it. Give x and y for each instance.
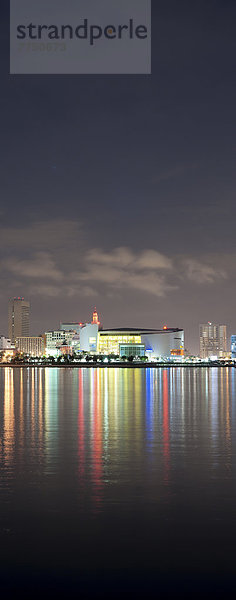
(7, 355)
(75, 343)
(134, 350)
(18, 318)
(65, 349)
(158, 343)
(5, 343)
(89, 338)
(233, 347)
(154, 343)
(55, 339)
(213, 340)
(110, 340)
(31, 345)
(72, 326)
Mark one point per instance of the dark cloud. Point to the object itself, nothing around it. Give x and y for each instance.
(84, 271)
(40, 266)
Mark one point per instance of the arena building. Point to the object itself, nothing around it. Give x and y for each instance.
(159, 343)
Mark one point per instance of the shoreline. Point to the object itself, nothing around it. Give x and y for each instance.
(119, 366)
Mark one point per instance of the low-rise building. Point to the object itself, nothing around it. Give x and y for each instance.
(72, 326)
(31, 345)
(76, 343)
(89, 338)
(65, 349)
(134, 350)
(5, 343)
(154, 343)
(55, 339)
(7, 355)
(109, 341)
(158, 343)
(233, 347)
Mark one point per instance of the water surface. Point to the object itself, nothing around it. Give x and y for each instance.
(118, 479)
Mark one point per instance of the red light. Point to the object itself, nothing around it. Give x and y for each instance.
(95, 320)
(164, 327)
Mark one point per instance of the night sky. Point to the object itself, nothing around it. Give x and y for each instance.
(119, 191)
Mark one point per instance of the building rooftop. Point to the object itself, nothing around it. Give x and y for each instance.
(139, 330)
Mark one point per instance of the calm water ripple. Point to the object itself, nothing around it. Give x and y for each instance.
(107, 471)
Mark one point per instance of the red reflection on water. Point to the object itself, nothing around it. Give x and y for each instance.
(97, 440)
(81, 440)
(166, 431)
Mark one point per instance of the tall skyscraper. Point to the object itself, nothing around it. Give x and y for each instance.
(213, 340)
(18, 318)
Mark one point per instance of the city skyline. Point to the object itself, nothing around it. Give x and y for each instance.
(209, 329)
(120, 191)
(118, 279)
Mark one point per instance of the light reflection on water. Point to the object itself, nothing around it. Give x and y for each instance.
(150, 445)
(106, 425)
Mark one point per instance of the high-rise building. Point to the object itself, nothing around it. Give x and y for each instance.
(213, 340)
(18, 318)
